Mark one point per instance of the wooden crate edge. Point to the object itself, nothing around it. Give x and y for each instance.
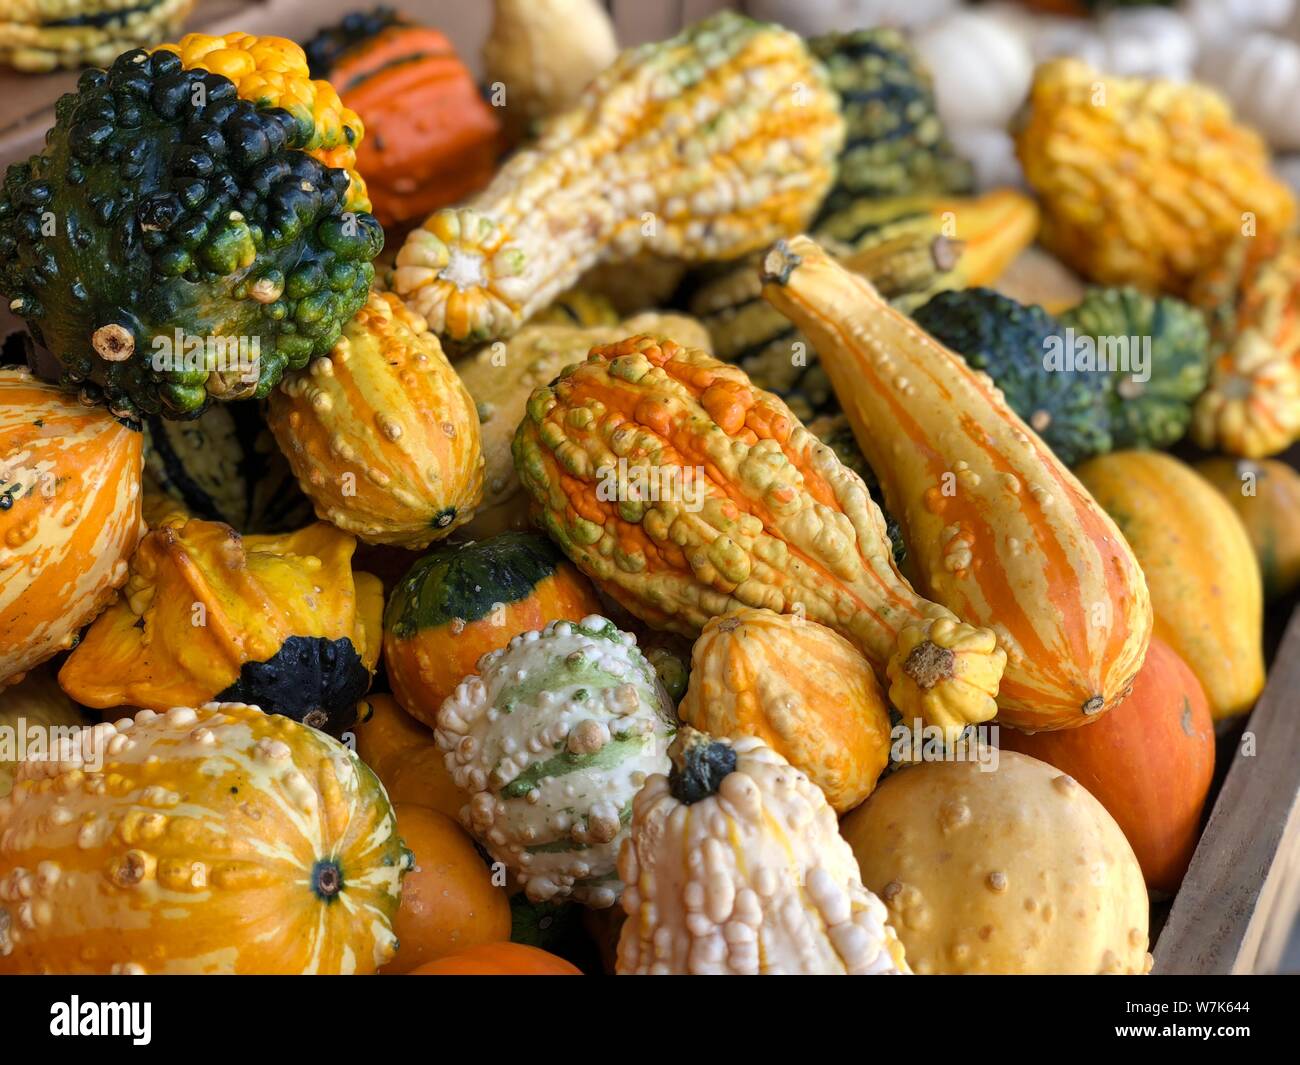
(1241, 895)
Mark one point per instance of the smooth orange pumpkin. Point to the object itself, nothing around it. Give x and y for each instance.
(1149, 762)
(404, 757)
(499, 959)
(431, 139)
(449, 903)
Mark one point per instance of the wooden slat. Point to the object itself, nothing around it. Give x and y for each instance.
(1239, 900)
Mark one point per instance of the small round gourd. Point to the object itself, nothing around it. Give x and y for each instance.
(1016, 870)
(404, 756)
(210, 840)
(461, 601)
(551, 740)
(827, 717)
(1266, 497)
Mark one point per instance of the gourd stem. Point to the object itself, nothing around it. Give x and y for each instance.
(700, 764)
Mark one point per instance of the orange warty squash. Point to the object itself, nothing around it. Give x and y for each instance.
(997, 529)
(431, 139)
(404, 756)
(449, 903)
(499, 959)
(381, 433)
(463, 600)
(216, 840)
(1149, 762)
(802, 689)
(69, 517)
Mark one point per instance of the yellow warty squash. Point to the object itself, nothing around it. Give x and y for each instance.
(216, 840)
(802, 689)
(69, 517)
(1204, 580)
(380, 433)
(1266, 497)
(1143, 182)
(997, 529)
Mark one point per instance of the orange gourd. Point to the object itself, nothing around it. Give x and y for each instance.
(431, 139)
(499, 959)
(69, 517)
(449, 902)
(1149, 762)
(404, 757)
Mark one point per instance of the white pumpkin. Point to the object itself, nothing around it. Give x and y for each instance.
(982, 66)
(735, 865)
(1260, 76)
(550, 741)
(1147, 42)
(1217, 22)
(992, 152)
(812, 17)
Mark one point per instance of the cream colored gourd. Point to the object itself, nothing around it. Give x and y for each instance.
(735, 865)
(981, 65)
(1015, 870)
(1260, 75)
(997, 529)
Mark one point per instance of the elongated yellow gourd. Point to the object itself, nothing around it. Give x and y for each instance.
(998, 530)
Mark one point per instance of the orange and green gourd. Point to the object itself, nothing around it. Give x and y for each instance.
(210, 840)
(685, 493)
(70, 496)
(703, 147)
(997, 529)
(1144, 182)
(278, 621)
(38, 36)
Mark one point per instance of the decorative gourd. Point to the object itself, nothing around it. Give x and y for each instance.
(997, 529)
(894, 141)
(278, 621)
(449, 903)
(498, 959)
(1149, 762)
(1252, 405)
(1172, 353)
(541, 54)
(1012, 343)
(1143, 182)
(609, 178)
(42, 35)
(461, 601)
(224, 466)
(1199, 564)
(1017, 871)
(836, 433)
(811, 17)
(908, 248)
(433, 140)
(1145, 41)
(982, 67)
(404, 756)
(828, 718)
(38, 703)
(735, 865)
(69, 517)
(1266, 497)
(752, 511)
(381, 434)
(1260, 75)
(216, 840)
(577, 307)
(189, 234)
(551, 739)
(502, 376)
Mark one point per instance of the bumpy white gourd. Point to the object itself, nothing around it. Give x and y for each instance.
(814, 17)
(735, 865)
(1260, 76)
(982, 66)
(551, 740)
(1145, 42)
(1218, 21)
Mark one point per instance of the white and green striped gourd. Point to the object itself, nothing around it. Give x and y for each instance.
(551, 740)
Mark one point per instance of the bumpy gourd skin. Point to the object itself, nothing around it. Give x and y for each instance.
(734, 866)
(41, 35)
(702, 147)
(161, 202)
(1143, 182)
(1009, 342)
(740, 506)
(1156, 412)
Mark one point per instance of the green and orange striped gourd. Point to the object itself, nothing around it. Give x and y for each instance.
(702, 147)
(686, 493)
(997, 529)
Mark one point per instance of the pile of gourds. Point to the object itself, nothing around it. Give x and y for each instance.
(691, 623)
